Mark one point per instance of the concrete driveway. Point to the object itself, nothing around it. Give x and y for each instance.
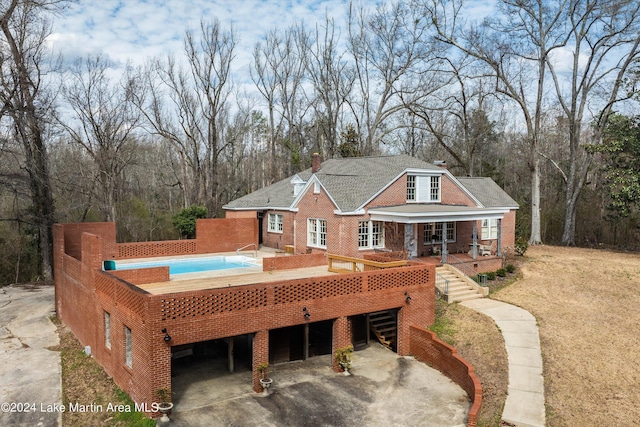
(384, 390)
(30, 373)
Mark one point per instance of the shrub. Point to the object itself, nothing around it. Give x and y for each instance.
(491, 275)
(501, 272)
(521, 246)
(185, 220)
(511, 268)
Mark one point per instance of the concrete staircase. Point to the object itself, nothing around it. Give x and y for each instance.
(460, 286)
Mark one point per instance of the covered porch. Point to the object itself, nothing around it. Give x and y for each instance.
(467, 237)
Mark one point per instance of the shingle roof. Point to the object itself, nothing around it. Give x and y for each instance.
(353, 181)
(487, 192)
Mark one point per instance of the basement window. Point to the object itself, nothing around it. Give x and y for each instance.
(107, 330)
(128, 355)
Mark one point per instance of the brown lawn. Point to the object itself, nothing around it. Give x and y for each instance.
(587, 303)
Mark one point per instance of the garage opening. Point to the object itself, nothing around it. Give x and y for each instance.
(210, 359)
(300, 342)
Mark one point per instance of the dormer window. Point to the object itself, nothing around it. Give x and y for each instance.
(298, 185)
(423, 188)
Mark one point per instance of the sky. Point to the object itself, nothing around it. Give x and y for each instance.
(135, 30)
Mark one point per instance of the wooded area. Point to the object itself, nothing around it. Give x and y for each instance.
(542, 97)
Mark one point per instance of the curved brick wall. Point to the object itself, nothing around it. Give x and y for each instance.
(426, 347)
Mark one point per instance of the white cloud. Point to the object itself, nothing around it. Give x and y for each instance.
(137, 30)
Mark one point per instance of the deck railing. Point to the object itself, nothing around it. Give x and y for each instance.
(345, 264)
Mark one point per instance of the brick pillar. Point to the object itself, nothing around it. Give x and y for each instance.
(260, 355)
(341, 338)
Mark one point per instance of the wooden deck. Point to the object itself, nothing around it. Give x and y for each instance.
(199, 281)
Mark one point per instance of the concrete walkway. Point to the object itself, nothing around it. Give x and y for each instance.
(524, 406)
(30, 372)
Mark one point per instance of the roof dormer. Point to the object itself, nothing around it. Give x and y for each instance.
(298, 184)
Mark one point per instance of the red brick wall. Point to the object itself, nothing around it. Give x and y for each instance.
(395, 194)
(152, 249)
(451, 194)
(274, 239)
(72, 233)
(225, 235)
(84, 292)
(140, 276)
(426, 347)
(317, 206)
(241, 214)
(293, 261)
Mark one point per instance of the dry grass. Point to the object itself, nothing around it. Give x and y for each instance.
(480, 342)
(586, 302)
(85, 382)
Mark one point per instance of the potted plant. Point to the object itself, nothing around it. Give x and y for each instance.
(165, 405)
(265, 380)
(343, 357)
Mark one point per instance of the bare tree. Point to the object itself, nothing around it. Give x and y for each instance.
(604, 39)
(278, 71)
(515, 49)
(332, 77)
(104, 119)
(393, 52)
(186, 107)
(25, 105)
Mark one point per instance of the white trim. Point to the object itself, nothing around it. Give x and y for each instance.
(317, 233)
(311, 181)
(419, 217)
(279, 226)
(353, 213)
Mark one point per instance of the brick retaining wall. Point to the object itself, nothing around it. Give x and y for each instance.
(426, 347)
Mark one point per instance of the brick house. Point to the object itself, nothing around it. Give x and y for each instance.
(357, 206)
(137, 321)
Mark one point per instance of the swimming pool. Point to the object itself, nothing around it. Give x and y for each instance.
(194, 265)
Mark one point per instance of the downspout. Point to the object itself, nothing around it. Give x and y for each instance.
(499, 242)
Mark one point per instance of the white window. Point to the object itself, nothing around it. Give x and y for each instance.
(317, 232)
(434, 194)
(433, 232)
(275, 223)
(128, 358)
(411, 188)
(107, 329)
(423, 189)
(370, 234)
(489, 229)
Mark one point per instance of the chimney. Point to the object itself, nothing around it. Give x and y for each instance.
(441, 163)
(315, 163)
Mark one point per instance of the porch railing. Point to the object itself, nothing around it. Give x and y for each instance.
(442, 284)
(345, 264)
(461, 265)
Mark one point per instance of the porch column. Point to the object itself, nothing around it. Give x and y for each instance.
(474, 235)
(305, 350)
(230, 361)
(444, 248)
(499, 241)
(260, 356)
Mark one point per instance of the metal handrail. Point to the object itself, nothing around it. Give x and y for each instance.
(442, 283)
(462, 266)
(255, 250)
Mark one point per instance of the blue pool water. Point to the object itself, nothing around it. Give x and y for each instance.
(194, 265)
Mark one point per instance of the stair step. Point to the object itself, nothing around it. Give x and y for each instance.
(386, 329)
(381, 324)
(466, 297)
